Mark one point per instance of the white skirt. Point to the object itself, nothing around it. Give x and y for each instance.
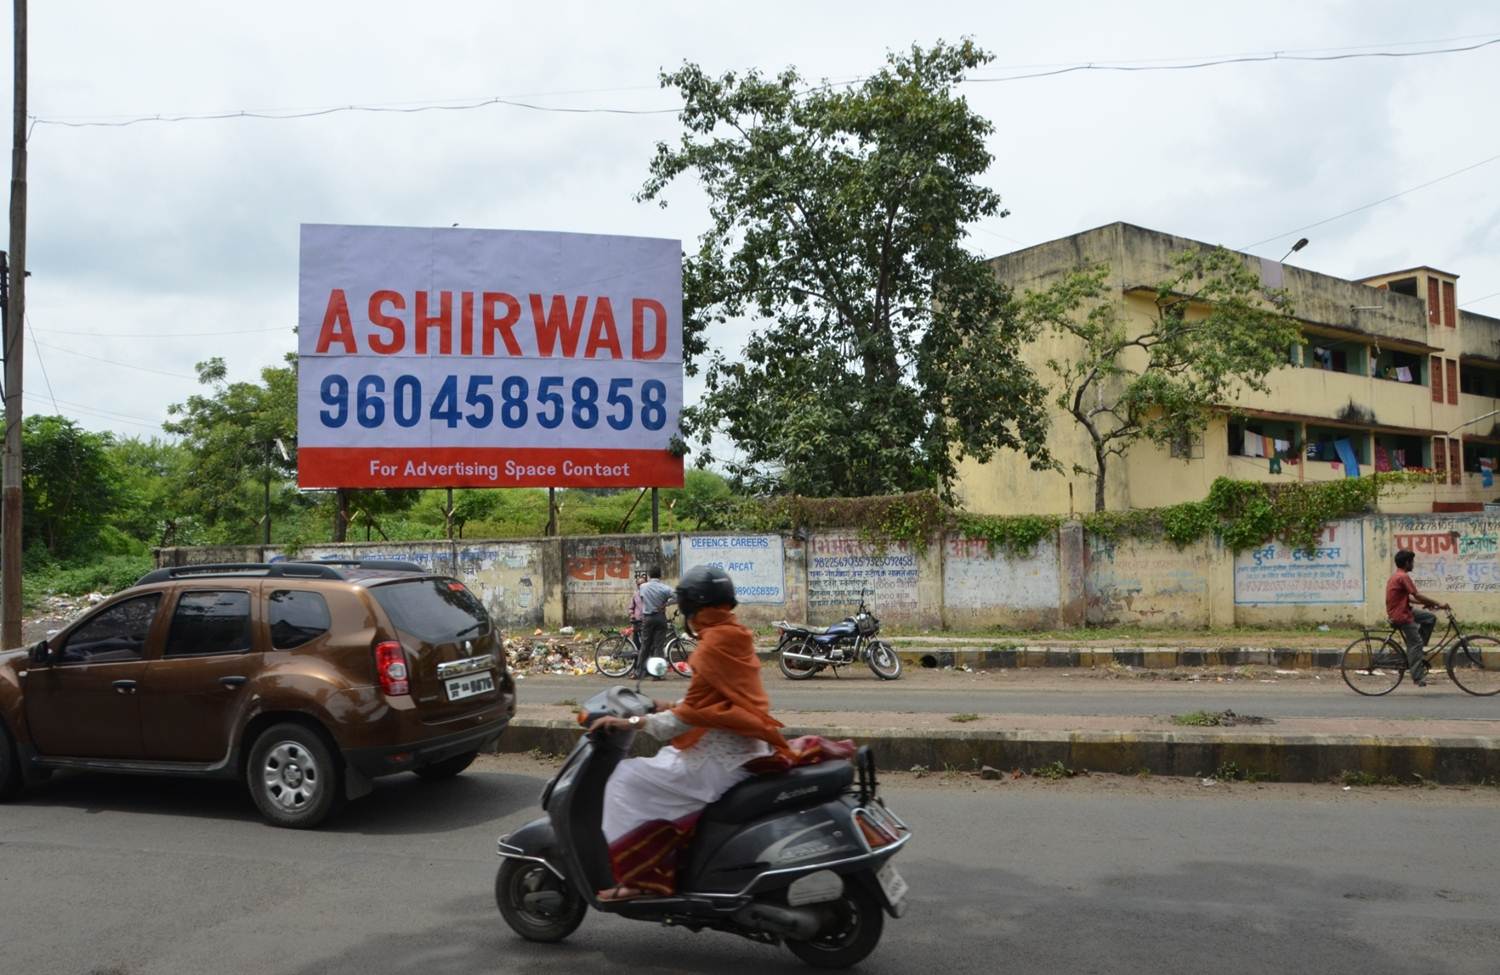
(675, 783)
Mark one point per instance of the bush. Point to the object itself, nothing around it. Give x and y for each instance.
(108, 574)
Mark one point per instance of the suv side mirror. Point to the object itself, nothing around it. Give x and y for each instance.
(40, 653)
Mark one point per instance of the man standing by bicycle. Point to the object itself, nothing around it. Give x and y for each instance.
(654, 595)
(1415, 625)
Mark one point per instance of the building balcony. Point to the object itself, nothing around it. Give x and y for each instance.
(1479, 337)
(1325, 395)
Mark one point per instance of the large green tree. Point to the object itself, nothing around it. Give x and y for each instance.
(231, 432)
(883, 352)
(69, 486)
(1213, 330)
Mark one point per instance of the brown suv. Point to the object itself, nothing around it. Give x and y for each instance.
(305, 679)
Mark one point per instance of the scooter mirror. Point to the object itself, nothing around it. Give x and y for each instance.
(656, 667)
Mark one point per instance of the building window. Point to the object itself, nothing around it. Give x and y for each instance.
(1452, 379)
(1437, 379)
(1480, 457)
(1264, 438)
(1188, 447)
(1396, 453)
(1404, 286)
(1478, 381)
(1323, 444)
(1350, 357)
(1450, 314)
(1401, 367)
(1433, 302)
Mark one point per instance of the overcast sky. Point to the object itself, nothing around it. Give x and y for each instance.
(187, 228)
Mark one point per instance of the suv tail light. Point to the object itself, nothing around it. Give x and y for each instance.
(390, 666)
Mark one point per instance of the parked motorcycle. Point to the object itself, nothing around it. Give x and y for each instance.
(805, 650)
(800, 857)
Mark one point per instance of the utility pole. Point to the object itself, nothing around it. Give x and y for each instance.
(15, 321)
(268, 493)
(656, 510)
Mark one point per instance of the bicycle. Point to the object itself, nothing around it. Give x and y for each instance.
(618, 651)
(1374, 665)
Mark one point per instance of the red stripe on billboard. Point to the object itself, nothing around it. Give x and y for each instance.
(485, 467)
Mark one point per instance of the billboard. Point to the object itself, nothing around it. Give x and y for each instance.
(487, 358)
(756, 563)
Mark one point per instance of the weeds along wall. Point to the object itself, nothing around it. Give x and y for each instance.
(1067, 579)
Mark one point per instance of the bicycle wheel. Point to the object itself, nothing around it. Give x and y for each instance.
(614, 656)
(1474, 665)
(678, 650)
(1372, 666)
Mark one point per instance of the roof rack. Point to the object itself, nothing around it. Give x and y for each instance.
(322, 569)
(301, 570)
(388, 565)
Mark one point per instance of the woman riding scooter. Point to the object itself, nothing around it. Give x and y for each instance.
(723, 722)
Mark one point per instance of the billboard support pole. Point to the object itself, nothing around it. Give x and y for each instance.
(655, 510)
(551, 512)
(448, 516)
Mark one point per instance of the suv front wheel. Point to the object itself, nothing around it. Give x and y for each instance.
(293, 776)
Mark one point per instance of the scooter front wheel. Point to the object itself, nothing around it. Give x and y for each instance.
(536, 903)
(854, 931)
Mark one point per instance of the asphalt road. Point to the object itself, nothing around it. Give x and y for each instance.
(103, 876)
(1047, 692)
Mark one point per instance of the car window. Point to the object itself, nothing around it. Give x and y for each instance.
(113, 634)
(433, 610)
(210, 622)
(297, 616)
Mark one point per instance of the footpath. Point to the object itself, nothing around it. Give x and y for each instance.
(1255, 720)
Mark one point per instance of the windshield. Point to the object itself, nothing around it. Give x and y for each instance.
(433, 610)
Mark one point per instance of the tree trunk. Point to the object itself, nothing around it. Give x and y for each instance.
(340, 515)
(1101, 459)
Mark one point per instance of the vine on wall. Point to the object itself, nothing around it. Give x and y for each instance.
(1243, 514)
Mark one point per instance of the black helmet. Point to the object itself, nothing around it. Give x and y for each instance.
(703, 586)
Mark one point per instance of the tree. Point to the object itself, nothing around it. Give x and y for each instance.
(68, 484)
(885, 352)
(231, 434)
(151, 474)
(1214, 330)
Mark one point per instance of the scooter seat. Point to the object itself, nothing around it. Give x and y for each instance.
(802, 786)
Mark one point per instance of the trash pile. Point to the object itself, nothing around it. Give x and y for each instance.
(564, 654)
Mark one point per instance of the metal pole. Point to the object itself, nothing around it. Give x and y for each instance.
(10, 468)
(655, 510)
(551, 512)
(268, 492)
(448, 516)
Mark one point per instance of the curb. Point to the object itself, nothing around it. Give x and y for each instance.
(1141, 658)
(1279, 758)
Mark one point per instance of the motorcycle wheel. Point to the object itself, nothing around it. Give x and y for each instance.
(796, 669)
(883, 660)
(522, 879)
(849, 939)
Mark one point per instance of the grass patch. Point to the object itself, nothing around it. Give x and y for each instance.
(1354, 777)
(1197, 719)
(568, 702)
(1053, 771)
(963, 718)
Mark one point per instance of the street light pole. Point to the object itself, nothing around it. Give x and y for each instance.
(10, 465)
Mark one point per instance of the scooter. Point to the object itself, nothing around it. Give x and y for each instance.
(800, 857)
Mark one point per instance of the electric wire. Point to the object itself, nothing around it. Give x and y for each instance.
(1375, 203)
(1475, 301)
(38, 349)
(169, 335)
(113, 362)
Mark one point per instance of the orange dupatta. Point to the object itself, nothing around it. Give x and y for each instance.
(726, 691)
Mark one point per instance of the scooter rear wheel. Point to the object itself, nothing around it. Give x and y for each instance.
(554, 910)
(849, 940)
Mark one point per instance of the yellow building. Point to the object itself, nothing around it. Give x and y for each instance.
(1390, 365)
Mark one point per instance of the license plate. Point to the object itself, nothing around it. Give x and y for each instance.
(892, 884)
(462, 687)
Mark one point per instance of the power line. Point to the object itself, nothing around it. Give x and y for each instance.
(112, 362)
(1475, 301)
(96, 414)
(32, 332)
(1375, 203)
(1241, 59)
(170, 335)
(514, 101)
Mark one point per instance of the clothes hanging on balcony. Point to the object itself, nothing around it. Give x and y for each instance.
(1382, 459)
(1403, 373)
(1346, 454)
(1398, 459)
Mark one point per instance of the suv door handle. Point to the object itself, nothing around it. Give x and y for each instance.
(124, 686)
(232, 681)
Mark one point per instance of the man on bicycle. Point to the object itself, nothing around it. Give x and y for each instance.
(1415, 625)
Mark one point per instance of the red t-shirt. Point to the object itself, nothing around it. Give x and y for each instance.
(1398, 592)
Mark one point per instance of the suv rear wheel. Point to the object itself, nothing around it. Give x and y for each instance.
(294, 776)
(448, 767)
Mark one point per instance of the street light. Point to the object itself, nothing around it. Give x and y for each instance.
(1469, 423)
(1295, 248)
